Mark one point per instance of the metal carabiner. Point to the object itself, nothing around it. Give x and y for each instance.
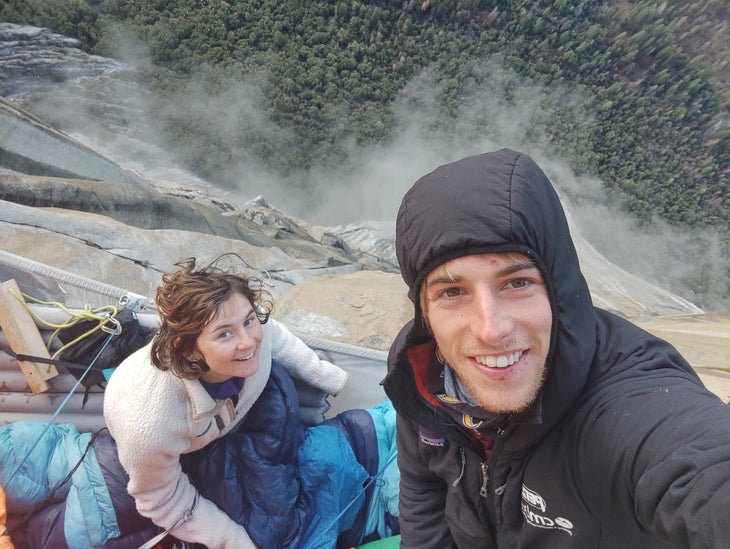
(117, 326)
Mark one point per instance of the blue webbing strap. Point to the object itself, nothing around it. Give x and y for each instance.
(60, 407)
(362, 490)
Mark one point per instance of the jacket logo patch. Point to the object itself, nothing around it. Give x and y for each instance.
(469, 422)
(431, 440)
(534, 509)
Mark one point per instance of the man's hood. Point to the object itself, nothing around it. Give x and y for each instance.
(502, 202)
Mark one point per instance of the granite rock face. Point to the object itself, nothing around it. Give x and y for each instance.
(129, 208)
(32, 57)
(71, 206)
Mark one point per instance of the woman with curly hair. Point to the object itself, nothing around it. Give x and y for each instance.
(218, 365)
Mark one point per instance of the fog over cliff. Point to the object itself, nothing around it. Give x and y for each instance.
(103, 104)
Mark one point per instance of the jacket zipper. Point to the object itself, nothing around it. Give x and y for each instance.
(462, 457)
(484, 468)
(485, 479)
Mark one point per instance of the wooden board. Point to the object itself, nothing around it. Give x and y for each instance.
(24, 338)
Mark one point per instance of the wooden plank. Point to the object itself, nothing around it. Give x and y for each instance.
(24, 338)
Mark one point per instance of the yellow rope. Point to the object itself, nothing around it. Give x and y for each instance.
(101, 314)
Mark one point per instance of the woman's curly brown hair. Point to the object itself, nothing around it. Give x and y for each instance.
(187, 300)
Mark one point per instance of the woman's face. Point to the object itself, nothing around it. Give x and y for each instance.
(229, 344)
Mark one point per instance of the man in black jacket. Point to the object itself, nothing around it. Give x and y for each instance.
(527, 417)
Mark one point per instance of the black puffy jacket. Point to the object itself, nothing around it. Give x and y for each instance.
(624, 448)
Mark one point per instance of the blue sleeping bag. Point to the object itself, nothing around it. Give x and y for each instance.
(331, 485)
(293, 487)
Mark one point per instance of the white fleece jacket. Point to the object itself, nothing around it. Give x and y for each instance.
(155, 417)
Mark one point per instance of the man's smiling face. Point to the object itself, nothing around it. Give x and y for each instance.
(491, 318)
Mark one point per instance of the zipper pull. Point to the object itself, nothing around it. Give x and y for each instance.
(463, 466)
(485, 479)
(189, 512)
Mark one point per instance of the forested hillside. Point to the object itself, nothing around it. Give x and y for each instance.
(633, 92)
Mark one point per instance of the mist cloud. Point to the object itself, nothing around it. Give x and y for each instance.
(500, 109)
